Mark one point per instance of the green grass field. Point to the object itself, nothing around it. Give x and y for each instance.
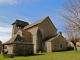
(65, 55)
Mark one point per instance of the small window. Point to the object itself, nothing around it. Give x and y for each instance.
(60, 45)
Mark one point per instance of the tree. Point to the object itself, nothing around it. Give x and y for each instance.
(71, 16)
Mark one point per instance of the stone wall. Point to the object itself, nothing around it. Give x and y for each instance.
(59, 43)
(10, 49)
(27, 36)
(47, 28)
(14, 29)
(21, 49)
(33, 31)
(0, 46)
(78, 45)
(49, 47)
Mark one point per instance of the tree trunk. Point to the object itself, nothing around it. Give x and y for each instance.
(75, 49)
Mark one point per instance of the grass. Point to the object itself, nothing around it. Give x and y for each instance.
(64, 55)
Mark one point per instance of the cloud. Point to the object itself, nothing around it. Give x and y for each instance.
(8, 1)
(5, 29)
(5, 33)
(5, 38)
(12, 2)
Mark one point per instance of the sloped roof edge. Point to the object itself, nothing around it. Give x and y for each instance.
(53, 38)
(10, 41)
(17, 39)
(20, 22)
(36, 23)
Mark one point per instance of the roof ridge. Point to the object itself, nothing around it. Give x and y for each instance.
(35, 23)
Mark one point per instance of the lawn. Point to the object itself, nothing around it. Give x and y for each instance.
(65, 55)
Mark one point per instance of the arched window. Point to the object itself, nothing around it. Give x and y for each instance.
(39, 40)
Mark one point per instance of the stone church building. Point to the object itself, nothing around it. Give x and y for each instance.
(42, 35)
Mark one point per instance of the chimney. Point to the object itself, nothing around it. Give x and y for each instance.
(60, 33)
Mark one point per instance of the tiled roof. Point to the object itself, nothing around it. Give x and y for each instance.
(19, 22)
(53, 38)
(17, 40)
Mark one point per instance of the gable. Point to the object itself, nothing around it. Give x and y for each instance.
(35, 23)
(58, 38)
(49, 23)
(58, 43)
(47, 27)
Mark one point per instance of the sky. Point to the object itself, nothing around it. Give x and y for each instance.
(29, 11)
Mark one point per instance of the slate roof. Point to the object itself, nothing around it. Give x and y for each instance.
(17, 40)
(36, 23)
(53, 38)
(19, 22)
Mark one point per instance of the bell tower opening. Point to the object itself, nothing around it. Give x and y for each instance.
(18, 24)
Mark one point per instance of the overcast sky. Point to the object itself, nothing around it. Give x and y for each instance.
(27, 10)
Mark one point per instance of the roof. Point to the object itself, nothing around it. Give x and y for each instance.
(36, 23)
(46, 39)
(53, 38)
(19, 22)
(17, 40)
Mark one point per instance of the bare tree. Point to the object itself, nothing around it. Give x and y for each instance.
(71, 16)
(73, 33)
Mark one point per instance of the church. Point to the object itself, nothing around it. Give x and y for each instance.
(39, 36)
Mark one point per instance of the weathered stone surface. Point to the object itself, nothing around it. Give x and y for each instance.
(57, 43)
(46, 28)
(21, 49)
(18, 46)
(0, 47)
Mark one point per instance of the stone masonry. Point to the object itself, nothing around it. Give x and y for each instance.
(21, 49)
(0, 47)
